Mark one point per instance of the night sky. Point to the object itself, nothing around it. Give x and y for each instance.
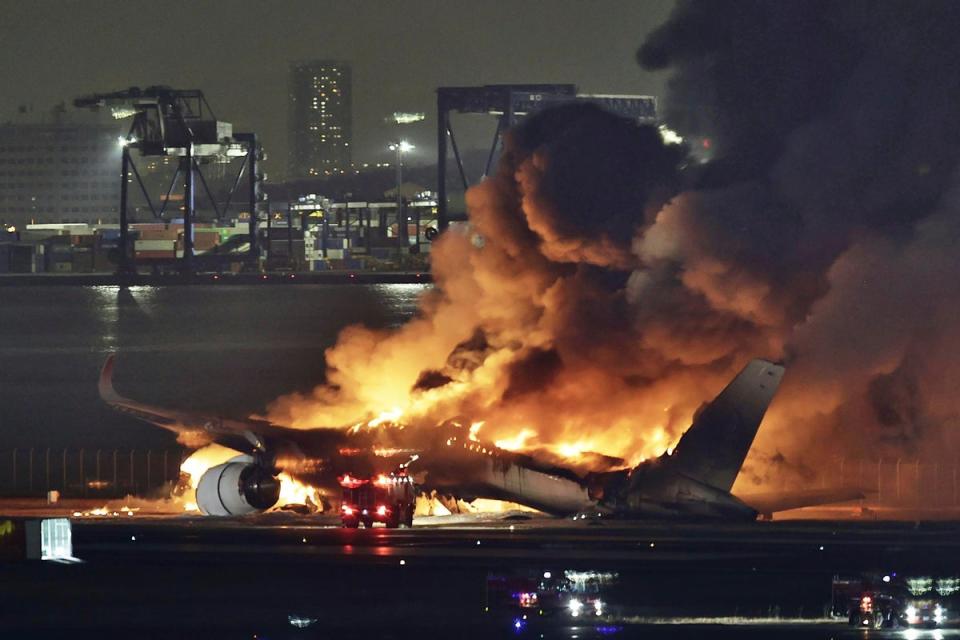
(238, 52)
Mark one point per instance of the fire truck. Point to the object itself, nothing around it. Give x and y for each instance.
(388, 499)
(891, 600)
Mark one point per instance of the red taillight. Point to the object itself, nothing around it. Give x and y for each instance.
(347, 510)
(381, 510)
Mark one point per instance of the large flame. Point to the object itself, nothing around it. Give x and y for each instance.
(521, 338)
(591, 307)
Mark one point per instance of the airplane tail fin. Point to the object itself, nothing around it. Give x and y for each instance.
(714, 447)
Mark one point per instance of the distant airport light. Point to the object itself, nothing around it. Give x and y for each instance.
(403, 117)
(119, 113)
(300, 622)
(669, 136)
(403, 146)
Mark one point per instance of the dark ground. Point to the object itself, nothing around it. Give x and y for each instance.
(243, 578)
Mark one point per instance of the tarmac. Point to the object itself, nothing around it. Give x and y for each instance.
(176, 574)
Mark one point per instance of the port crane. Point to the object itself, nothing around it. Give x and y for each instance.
(180, 123)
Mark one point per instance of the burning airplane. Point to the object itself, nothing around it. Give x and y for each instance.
(557, 363)
(692, 480)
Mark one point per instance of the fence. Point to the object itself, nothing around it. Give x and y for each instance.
(902, 482)
(907, 483)
(110, 473)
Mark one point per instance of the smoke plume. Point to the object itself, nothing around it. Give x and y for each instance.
(827, 221)
(607, 285)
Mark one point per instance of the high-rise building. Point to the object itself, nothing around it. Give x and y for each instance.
(320, 121)
(59, 171)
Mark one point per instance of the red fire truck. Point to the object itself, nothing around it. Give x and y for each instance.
(389, 499)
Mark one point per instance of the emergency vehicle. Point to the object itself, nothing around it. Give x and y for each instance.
(386, 498)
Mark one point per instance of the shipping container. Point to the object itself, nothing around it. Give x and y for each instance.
(16, 258)
(154, 245)
(82, 260)
(155, 255)
(158, 234)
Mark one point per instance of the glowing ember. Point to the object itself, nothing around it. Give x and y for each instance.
(571, 449)
(517, 442)
(392, 415)
(474, 430)
(292, 491)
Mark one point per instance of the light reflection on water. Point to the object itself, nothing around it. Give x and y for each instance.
(227, 349)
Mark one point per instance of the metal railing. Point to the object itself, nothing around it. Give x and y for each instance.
(901, 482)
(87, 472)
(892, 482)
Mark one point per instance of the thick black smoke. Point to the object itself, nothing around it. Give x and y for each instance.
(827, 217)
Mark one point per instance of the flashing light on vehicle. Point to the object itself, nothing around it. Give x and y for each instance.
(519, 624)
(349, 482)
(948, 586)
(528, 600)
(381, 510)
(300, 622)
(347, 510)
(912, 617)
(575, 607)
(382, 481)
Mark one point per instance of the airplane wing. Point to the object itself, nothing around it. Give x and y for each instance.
(179, 423)
(195, 430)
(769, 503)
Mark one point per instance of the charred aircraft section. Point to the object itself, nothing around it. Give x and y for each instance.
(694, 480)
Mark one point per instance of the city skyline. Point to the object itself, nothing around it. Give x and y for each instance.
(399, 56)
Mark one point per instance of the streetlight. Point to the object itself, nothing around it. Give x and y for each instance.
(401, 147)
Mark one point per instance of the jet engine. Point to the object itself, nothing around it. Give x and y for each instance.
(237, 487)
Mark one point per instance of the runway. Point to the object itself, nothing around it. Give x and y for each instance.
(598, 542)
(250, 575)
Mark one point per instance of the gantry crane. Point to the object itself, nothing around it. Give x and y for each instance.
(179, 123)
